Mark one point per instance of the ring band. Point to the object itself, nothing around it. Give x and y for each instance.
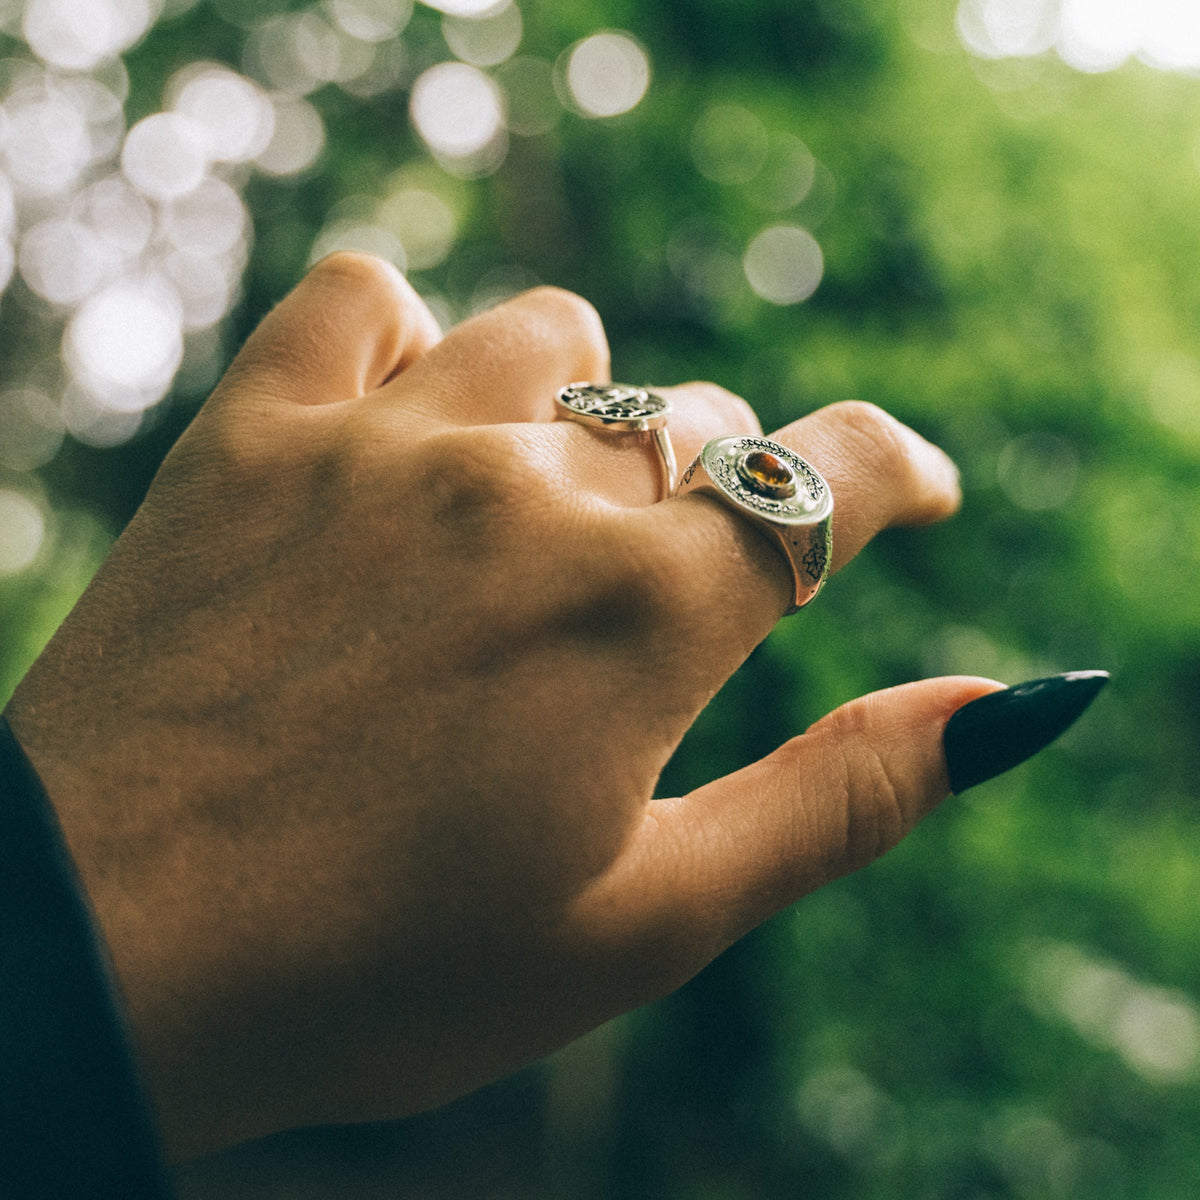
(623, 409)
(776, 490)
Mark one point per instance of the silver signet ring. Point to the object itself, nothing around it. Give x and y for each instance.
(776, 490)
(620, 408)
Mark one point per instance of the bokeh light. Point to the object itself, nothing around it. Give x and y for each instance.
(854, 1116)
(136, 238)
(125, 344)
(101, 107)
(47, 142)
(532, 106)
(61, 261)
(1038, 471)
(465, 8)
(31, 428)
(784, 264)
(297, 138)
(729, 144)
(8, 208)
(78, 36)
(1090, 35)
(7, 262)
(165, 155)
(233, 112)
(364, 236)
(1004, 28)
(209, 220)
(1155, 1030)
(299, 52)
(1097, 35)
(1171, 35)
(709, 269)
(130, 238)
(370, 20)
(788, 175)
(960, 649)
(117, 215)
(486, 40)
(89, 421)
(423, 222)
(607, 74)
(1173, 392)
(458, 111)
(22, 530)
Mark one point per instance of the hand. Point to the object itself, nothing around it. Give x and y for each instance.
(354, 737)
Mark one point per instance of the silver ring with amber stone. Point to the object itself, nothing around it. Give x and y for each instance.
(620, 408)
(776, 490)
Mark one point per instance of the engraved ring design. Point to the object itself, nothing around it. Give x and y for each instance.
(620, 408)
(780, 493)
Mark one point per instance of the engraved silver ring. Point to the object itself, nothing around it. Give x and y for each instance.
(776, 490)
(619, 408)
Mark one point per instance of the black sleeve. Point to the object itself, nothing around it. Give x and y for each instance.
(74, 1120)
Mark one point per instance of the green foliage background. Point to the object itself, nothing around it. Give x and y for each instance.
(1007, 1005)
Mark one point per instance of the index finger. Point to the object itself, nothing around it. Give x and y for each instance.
(351, 324)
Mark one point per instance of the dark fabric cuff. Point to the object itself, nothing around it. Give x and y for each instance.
(74, 1120)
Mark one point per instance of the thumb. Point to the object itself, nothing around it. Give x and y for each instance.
(701, 871)
(822, 805)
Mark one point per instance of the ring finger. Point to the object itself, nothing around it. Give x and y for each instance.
(626, 468)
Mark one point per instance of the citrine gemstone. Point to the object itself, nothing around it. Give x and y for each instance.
(768, 474)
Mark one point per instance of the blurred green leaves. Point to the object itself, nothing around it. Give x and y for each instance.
(1009, 257)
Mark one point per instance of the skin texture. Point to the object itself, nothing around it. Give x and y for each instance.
(355, 734)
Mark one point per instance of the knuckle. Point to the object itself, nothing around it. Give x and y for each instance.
(729, 405)
(875, 813)
(875, 810)
(395, 318)
(356, 269)
(883, 444)
(569, 303)
(572, 311)
(717, 396)
(704, 389)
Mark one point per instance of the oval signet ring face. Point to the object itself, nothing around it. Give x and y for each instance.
(621, 408)
(776, 490)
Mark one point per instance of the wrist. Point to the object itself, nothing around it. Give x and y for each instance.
(76, 1119)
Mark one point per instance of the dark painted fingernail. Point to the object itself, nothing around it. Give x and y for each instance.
(998, 731)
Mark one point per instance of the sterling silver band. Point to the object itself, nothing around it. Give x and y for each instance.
(776, 490)
(620, 408)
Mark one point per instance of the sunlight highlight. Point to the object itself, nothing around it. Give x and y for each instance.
(1089, 35)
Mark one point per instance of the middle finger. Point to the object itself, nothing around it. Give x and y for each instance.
(736, 575)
